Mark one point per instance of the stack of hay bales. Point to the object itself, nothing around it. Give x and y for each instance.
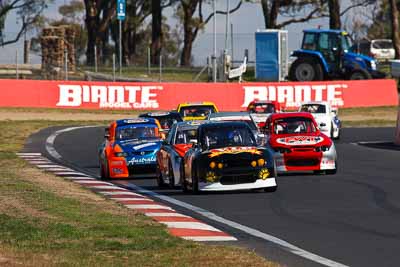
(55, 41)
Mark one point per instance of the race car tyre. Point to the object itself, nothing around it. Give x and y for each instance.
(306, 69)
(271, 189)
(171, 178)
(195, 183)
(160, 180)
(184, 184)
(331, 172)
(104, 174)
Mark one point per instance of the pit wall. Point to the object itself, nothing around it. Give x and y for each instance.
(166, 96)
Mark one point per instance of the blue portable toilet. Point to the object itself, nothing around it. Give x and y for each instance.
(271, 55)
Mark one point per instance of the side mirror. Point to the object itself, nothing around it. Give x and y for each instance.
(322, 124)
(106, 133)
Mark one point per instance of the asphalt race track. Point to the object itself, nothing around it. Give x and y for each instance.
(351, 218)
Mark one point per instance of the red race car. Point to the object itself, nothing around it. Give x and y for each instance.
(299, 145)
(261, 109)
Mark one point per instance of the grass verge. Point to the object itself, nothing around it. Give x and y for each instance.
(47, 221)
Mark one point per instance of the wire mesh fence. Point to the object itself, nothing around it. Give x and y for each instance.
(138, 66)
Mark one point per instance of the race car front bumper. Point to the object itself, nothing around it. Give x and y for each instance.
(308, 161)
(258, 184)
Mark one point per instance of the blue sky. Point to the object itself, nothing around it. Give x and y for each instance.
(245, 21)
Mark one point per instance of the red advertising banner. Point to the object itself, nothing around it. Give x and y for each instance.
(166, 96)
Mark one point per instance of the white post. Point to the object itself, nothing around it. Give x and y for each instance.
(95, 58)
(160, 67)
(16, 64)
(148, 60)
(227, 26)
(232, 41)
(215, 44)
(120, 48)
(66, 63)
(113, 66)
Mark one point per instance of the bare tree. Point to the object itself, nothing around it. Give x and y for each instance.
(334, 14)
(99, 14)
(192, 24)
(29, 12)
(291, 9)
(395, 27)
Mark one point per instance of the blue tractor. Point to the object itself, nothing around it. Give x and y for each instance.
(326, 55)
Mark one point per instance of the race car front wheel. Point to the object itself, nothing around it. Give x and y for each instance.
(171, 177)
(195, 183)
(104, 174)
(160, 179)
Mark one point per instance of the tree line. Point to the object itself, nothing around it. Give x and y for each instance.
(146, 26)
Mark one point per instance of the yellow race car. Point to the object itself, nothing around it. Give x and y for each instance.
(196, 110)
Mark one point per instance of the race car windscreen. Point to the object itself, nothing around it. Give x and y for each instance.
(248, 121)
(313, 108)
(226, 136)
(263, 108)
(167, 121)
(196, 111)
(186, 136)
(136, 132)
(294, 125)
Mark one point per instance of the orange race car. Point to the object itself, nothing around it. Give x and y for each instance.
(130, 148)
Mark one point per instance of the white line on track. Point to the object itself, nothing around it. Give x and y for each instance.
(78, 178)
(50, 140)
(93, 182)
(165, 214)
(253, 232)
(209, 238)
(132, 198)
(70, 173)
(148, 206)
(104, 187)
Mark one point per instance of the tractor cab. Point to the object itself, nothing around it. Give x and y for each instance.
(326, 55)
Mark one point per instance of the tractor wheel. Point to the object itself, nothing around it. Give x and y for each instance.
(359, 74)
(306, 69)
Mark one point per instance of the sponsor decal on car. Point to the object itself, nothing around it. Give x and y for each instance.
(300, 140)
(233, 150)
(135, 161)
(132, 121)
(156, 114)
(143, 145)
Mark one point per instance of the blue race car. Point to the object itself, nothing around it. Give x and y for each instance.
(130, 148)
